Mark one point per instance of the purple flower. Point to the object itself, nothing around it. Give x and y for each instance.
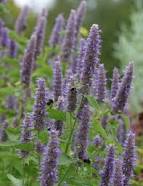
(39, 110)
(80, 13)
(21, 22)
(12, 48)
(4, 37)
(57, 79)
(115, 82)
(69, 38)
(3, 127)
(12, 102)
(129, 158)
(71, 96)
(48, 173)
(56, 37)
(26, 133)
(121, 131)
(39, 147)
(108, 168)
(81, 140)
(118, 173)
(81, 57)
(40, 35)
(1, 27)
(91, 58)
(101, 83)
(122, 94)
(28, 61)
(97, 141)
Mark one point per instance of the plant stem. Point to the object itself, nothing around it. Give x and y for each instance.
(71, 134)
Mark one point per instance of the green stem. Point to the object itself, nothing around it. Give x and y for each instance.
(71, 134)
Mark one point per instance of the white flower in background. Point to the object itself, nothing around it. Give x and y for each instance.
(36, 5)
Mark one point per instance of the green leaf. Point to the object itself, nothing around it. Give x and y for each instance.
(93, 102)
(25, 146)
(14, 181)
(65, 160)
(56, 114)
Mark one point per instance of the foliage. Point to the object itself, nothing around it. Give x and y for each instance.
(129, 48)
(72, 170)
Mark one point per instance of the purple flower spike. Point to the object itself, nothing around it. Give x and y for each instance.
(48, 174)
(118, 173)
(4, 37)
(129, 158)
(101, 83)
(115, 83)
(82, 134)
(56, 37)
(21, 22)
(39, 109)
(91, 58)
(26, 133)
(69, 38)
(71, 96)
(40, 35)
(28, 61)
(97, 141)
(3, 127)
(122, 94)
(1, 27)
(108, 168)
(80, 13)
(81, 57)
(57, 79)
(12, 48)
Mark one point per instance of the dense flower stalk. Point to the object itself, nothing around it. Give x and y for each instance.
(91, 58)
(121, 131)
(12, 102)
(80, 13)
(3, 127)
(108, 168)
(4, 37)
(21, 22)
(26, 133)
(28, 61)
(56, 36)
(40, 35)
(69, 38)
(1, 27)
(57, 80)
(101, 83)
(115, 83)
(39, 109)
(81, 57)
(71, 96)
(12, 48)
(118, 173)
(48, 174)
(81, 141)
(122, 94)
(129, 158)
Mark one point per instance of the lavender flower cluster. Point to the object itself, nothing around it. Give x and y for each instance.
(77, 74)
(8, 46)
